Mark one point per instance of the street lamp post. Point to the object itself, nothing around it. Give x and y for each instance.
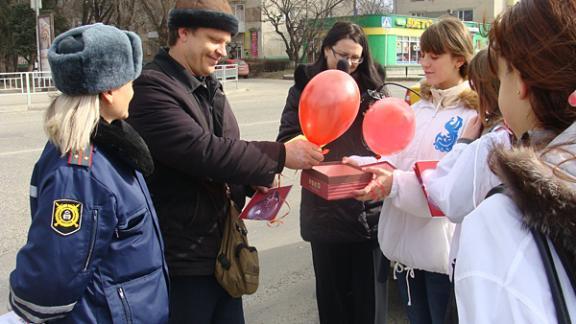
(36, 5)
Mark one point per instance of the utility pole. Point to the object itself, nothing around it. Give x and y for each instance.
(355, 10)
(36, 5)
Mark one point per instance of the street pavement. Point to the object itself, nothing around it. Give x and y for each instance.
(286, 292)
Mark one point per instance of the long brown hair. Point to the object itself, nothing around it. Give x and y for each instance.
(486, 84)
(538, 38)
(449, 35)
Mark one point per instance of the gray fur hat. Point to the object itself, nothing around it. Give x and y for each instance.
(94, 58)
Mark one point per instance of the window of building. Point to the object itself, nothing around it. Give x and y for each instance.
(465, 14)
(407, 50)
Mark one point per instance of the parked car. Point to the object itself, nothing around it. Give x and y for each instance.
(243, 67)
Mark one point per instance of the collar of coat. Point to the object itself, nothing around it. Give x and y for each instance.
(450, 97)
(121, 140)
(541, 179)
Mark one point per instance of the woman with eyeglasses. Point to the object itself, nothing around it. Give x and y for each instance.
(341, 232)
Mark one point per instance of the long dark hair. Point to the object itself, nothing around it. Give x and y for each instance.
(368, 74)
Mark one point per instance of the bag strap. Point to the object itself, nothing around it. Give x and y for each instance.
(562, 314)
(495, 190)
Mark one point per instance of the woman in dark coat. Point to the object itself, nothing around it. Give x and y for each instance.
(340, 232)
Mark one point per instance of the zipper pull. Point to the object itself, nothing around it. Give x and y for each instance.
(121, 292)
(116, 233)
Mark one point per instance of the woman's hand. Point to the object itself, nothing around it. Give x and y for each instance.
(350, 161)
(380, 186)
(473, 129)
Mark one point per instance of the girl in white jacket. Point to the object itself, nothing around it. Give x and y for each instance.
(417, 242)
(463, 178)
(500, 276)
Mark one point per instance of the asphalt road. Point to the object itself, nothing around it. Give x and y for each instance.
(286, 293)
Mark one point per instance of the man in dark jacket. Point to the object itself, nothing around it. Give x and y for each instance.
(180, 110)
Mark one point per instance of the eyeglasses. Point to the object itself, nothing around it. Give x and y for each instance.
(352, 60)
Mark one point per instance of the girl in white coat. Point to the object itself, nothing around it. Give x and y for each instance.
(501, 276)
(417, 242)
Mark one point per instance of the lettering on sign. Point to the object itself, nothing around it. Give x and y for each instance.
(417, 23)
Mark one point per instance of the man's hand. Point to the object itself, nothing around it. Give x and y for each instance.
(261, 189)
(265, 189)
(380, 186)
(301, 154)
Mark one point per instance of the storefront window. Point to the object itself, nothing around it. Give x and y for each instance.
(407, 50)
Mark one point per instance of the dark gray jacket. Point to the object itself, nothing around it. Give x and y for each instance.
(337, 221)
(194, 139)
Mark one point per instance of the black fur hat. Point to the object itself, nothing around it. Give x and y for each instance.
(203, 18)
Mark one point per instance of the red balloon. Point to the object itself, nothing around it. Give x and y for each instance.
(328, 106)
(389, 126)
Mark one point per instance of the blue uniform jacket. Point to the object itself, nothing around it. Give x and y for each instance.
(94, 252)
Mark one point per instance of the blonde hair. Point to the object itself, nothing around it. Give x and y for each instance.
(70, 120)
(449, 35)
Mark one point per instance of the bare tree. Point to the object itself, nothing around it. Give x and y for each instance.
(298, 22)
(124, 13)
(157, 13)
(370, 7)
(119, 13)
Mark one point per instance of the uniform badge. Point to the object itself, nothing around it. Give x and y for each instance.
(66, 216)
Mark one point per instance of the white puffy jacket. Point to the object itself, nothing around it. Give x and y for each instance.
(407, 233)
(499, 275)
(463, 178)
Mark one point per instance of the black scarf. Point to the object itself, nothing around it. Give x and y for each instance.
(121, 140)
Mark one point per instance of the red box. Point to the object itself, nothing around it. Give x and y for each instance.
(420, 168)
(335, 180)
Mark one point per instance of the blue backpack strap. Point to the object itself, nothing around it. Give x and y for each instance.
(82, 157)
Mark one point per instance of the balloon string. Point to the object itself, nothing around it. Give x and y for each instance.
(277, 221)
(402, 86)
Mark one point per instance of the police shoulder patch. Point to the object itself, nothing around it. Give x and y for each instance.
(66, 216)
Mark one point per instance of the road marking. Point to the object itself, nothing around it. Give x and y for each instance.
(21, 152)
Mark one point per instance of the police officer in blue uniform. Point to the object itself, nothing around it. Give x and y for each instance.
(94, 252)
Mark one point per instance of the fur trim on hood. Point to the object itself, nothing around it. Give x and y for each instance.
(468, 97)
(542, 182)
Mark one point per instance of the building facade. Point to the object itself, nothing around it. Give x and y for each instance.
(394, 40)
(466, 10)
(256, 37)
